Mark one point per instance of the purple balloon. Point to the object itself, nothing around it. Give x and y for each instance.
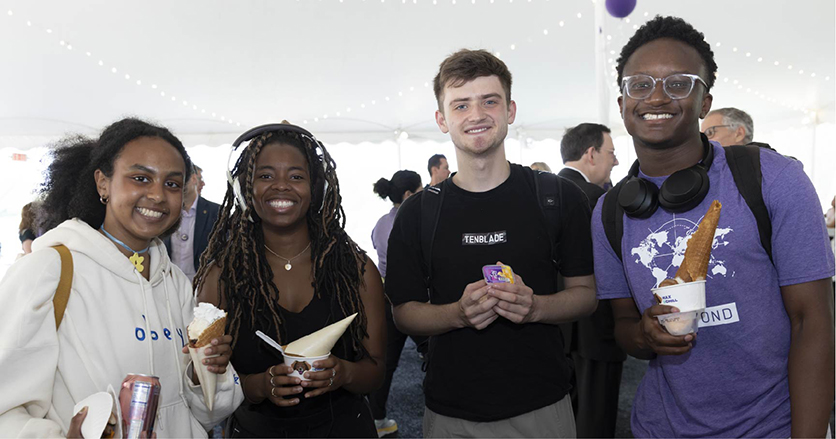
(620, 8)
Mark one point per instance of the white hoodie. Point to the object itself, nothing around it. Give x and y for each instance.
(116, 323)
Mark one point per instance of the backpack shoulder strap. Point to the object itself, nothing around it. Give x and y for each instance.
(612, 217)
(745, 166)
(65, 283)
(549, 191)
(431, 199)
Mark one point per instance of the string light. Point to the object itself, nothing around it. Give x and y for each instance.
(113, 70)
(513, 47)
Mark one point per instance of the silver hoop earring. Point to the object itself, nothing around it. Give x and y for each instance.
(102, 199)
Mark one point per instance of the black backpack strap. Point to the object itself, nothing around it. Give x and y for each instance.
(431, 199)
(549, 192)
(745, 166)
(612, 217)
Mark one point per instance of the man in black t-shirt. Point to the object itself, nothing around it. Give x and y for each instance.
(496, 365)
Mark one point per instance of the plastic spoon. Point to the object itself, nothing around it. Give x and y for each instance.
(270, 341)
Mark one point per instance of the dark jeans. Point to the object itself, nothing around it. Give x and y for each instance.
(351, 418)
(595, 396)
(395, 341)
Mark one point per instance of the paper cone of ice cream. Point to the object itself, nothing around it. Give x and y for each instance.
(320, 342)
(209, 323)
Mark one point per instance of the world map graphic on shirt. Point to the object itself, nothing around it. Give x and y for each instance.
(663, 249)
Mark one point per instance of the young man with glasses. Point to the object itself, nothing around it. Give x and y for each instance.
(762, 364)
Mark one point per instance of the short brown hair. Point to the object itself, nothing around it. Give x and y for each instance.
(467, 65)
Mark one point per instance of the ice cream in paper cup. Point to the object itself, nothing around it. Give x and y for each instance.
(301, 354)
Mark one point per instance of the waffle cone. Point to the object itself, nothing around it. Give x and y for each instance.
(698, 253)
(215, 330)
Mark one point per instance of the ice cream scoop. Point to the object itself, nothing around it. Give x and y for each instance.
(209, 323)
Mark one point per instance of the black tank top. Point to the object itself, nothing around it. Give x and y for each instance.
(252, 355)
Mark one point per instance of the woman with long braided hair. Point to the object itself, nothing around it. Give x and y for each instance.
(280, 261)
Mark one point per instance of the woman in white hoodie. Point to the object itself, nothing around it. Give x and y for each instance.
(107, 201)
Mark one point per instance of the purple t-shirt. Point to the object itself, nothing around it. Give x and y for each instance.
(734, 381)
(380, 238)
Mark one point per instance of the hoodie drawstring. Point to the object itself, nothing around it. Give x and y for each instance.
(177, 354)
(140, 279)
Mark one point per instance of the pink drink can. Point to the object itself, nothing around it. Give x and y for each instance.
(139, 398)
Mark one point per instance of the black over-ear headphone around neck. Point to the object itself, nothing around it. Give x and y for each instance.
(681, 192)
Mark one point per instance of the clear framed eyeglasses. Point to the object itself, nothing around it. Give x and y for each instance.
(711, 131)
(678, 86)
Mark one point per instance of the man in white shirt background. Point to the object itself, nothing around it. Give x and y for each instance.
(588, 155)
(198, 217)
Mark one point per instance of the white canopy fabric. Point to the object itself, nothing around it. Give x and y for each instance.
(358, 70)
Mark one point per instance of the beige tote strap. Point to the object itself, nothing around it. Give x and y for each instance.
(65, 283)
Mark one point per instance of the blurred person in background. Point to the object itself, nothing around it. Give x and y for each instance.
(400, 187)
(196, 221)
(728, 126)
(589, 156)
(540, 166)
(27, 226)
(438, 168)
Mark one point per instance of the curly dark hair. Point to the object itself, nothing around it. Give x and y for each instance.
(669, 27)
(236, 246)
(69, 190)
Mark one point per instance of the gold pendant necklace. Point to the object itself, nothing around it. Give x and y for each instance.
(287, 266)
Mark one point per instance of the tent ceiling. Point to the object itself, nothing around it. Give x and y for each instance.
(260, 61)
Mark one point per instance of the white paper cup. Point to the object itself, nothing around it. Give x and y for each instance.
(689, 296)
(99, 408)
(208, 380)
(681, 323)
(300, 364)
